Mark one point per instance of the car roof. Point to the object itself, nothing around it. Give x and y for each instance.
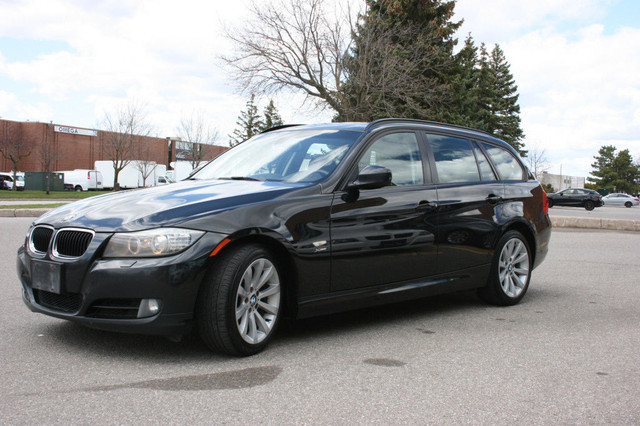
(393, 122)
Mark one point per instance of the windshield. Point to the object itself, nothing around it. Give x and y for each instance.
(291, 156)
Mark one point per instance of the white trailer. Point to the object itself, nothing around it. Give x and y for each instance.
(181, 170)
(131, 177)
(82, 179)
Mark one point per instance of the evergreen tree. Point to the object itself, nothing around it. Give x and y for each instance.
(248, 124)
(506, 110)
(498, 111)
(402, 55)
(271, 116)
(465, 88)
(614, 171)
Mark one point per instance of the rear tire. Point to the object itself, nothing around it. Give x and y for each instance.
(510, 271)
(240, 303)
(627, 204)
(589, 205)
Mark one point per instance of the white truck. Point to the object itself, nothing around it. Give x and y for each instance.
(82, 179)
(131, 177)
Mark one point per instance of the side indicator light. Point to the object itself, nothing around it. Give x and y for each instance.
(220, 247)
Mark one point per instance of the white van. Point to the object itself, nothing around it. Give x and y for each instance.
(8, 179)
(82, 179)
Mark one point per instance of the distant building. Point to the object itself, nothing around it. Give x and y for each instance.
(80, 148)
(560, 182)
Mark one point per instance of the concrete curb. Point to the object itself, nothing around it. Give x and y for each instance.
(556, 221)
(595, 223)
(23, 212)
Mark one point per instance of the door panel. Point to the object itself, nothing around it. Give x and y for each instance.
(467, 224)
(386, 235)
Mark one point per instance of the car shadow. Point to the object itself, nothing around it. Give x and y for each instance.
(75, 338)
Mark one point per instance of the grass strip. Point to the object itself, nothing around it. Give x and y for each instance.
(31, 206)
(53, 195)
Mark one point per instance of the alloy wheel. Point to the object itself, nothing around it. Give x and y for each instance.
(513, 267)
(257, 301)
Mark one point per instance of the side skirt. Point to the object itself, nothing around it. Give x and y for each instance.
(390, 293)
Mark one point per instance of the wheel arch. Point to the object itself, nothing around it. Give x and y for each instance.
(527, 233)
(283, 257)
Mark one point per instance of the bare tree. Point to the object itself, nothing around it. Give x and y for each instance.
(294, 45)
(48, 155)
(195, 131)
(358, 68)
(15, 146)
(537, 160)
(144, 163)
(125, 129)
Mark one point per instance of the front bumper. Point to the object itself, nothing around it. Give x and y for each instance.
(107, 293)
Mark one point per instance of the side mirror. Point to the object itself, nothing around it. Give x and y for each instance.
(372, 177)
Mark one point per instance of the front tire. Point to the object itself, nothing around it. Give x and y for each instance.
(510, 271)
(550, 200)
(240, 304)
(589, 205)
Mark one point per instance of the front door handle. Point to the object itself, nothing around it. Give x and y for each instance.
(427, 206)
(493, 199)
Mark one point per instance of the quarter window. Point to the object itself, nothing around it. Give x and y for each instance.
(398, 152)
(455, 162)
(486, 173)
(508, 167)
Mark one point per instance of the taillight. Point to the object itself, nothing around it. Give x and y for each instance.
(545, 203)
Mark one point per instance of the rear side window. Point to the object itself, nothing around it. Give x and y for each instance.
(455, 162)
(507, 165)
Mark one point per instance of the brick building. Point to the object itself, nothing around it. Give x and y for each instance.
(80, 148)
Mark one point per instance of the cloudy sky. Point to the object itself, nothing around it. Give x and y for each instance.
(576, 63)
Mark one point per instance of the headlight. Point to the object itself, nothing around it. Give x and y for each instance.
(151, 243)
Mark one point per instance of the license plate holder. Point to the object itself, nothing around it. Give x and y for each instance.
(46, 276)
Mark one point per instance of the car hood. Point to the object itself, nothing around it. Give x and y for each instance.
(167, 205)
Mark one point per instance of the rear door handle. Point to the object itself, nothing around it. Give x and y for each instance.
(427, 206)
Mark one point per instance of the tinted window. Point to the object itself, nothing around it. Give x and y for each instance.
(486, 173)
(454, 159)
(399, 153)
(507, 165)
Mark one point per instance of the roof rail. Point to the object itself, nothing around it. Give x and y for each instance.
(417, 121)
(271, 129)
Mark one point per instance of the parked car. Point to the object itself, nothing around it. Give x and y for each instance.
(619, 199)
(576, 197)
(299, 221)
(4, 184)
(8, 180)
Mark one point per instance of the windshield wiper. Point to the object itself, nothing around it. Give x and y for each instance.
(238, 178)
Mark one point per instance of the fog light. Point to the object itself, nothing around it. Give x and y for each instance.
(148, 308)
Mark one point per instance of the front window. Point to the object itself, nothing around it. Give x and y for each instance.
(289, 156)
(399, 153)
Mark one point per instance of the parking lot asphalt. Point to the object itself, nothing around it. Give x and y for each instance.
(568, 354)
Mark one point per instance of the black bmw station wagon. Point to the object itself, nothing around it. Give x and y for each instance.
(297, 221)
